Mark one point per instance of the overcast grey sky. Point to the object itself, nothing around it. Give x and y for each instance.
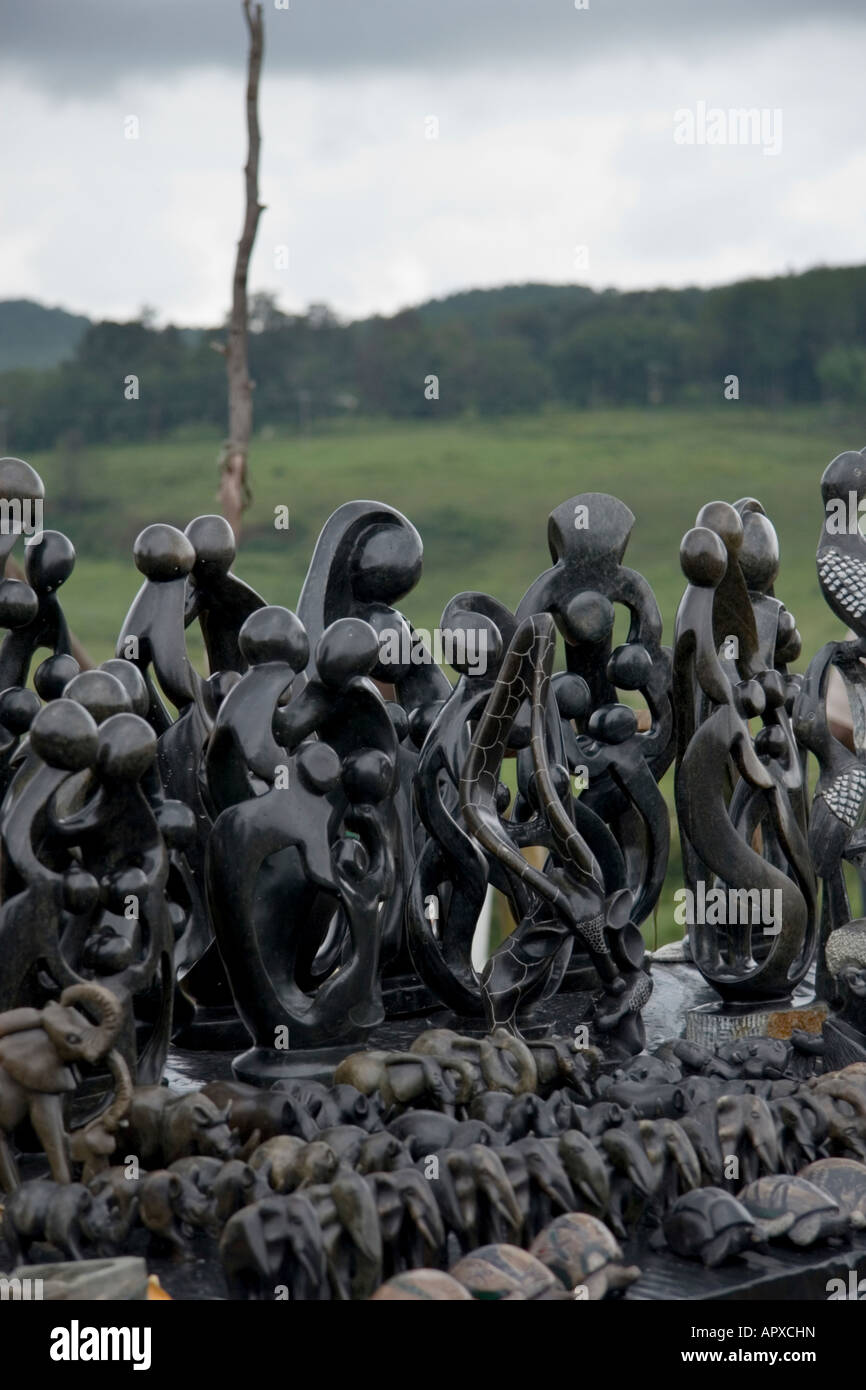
(556, 131)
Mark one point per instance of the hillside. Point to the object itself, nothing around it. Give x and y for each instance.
(792, 339)
(32, 335)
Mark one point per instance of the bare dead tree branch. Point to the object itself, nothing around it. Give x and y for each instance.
(234, 492)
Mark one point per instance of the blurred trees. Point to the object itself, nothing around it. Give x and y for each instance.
(493, 352)
(842, 374)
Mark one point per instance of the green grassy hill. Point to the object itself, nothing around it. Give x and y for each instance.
(478, 492)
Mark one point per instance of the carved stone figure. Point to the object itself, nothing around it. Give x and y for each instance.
(710, 1225)
(95, 1142)
(581, 1251)
(66, 1215)
(171, 1207)
(758, 941)
(334, 810)
(164, 1125)
(39, 1050)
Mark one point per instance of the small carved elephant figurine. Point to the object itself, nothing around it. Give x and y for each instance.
(38, 1052)
(94, 1144)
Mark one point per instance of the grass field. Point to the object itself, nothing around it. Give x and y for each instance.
(479, 493)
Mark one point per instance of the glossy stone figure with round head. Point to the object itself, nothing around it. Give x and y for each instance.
(29, 607)
(368, 556)
(588, 536)
(615, 758)
(297, 874)
(721, 682)
(243, 756)
(448, 886)
(152, 634)
(216, 598)
(567, 903)
(40, 880)
(119, 929)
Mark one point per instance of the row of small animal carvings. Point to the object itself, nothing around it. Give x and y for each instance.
(307, 835)
(323, 1191)
(40, 1051)
(576, 1256)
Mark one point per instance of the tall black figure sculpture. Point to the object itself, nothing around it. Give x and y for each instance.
(29, 608)
(569, 901)
(188, 579)
(611, 838)
(756, 938)
(303, 951)
(836, 835)
(621, 812)
(367, 558)
(84, 874)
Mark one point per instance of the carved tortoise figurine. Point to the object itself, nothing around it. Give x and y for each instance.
(710, 1225)
(794, 1208)
(505, 1272)
(421, 1286)
(584, 1255)
(843, 1179)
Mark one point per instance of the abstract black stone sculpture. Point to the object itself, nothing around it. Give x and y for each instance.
(299, 841)
(335, 809)
(82, 900)
(835, 836)
(608, 844)
(732, 642)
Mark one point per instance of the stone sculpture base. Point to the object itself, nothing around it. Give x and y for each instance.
(405, 996)
(212, 1029)
(188, 1068)
(533, 1027)
(720, 1022)
(217, 1028)
(262, 1066)
(679, 993)
(780, 1273)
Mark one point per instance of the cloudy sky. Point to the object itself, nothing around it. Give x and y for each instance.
(556, 131)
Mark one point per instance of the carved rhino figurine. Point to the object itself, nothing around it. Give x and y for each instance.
(68, 1216)
(263, 1114)
(164, 1126)
(121, 1190)
(334, 1105)
(171, 1207)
